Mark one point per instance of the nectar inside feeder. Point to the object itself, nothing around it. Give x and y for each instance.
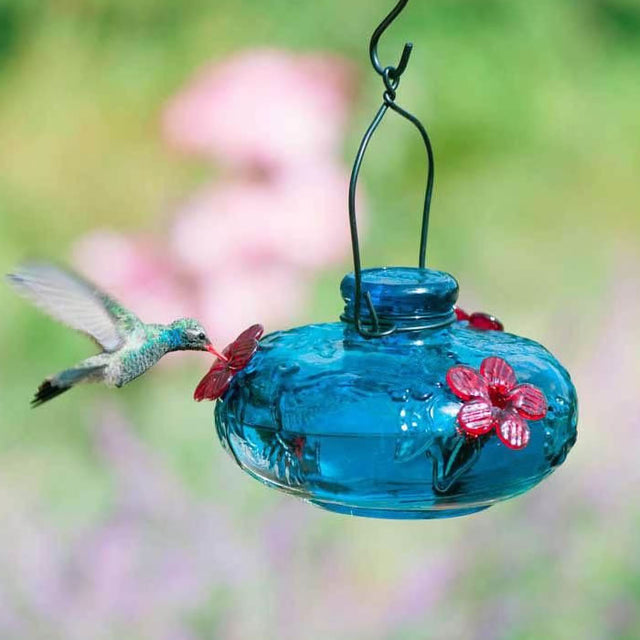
(407, 407)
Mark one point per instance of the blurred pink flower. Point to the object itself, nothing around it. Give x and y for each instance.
(263, 108)
(297, 218)
(242, 250)
(267, 293)
(135, 272)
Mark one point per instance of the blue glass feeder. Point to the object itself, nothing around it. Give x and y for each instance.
(403, 408)
(368, 426)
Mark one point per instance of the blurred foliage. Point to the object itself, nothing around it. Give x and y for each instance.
(532, 108)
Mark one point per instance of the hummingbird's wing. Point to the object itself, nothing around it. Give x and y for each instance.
(69, 298)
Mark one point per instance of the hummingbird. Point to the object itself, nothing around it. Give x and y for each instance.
(129, 346)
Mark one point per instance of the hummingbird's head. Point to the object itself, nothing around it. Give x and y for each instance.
(191, 335)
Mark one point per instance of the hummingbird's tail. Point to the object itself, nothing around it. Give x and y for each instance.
(63, 381)
(46, 391)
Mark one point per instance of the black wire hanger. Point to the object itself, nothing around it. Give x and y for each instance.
(391, 78)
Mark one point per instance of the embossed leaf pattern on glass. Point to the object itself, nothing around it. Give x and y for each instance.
(452, 459)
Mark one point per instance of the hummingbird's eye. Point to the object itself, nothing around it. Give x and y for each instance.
(201, 336)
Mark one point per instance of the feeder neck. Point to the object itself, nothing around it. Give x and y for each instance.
(411, 298)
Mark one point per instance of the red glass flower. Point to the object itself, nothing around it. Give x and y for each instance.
(494, 400)
(234, 358)
(479, 320)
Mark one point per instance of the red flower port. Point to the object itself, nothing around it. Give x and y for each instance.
(494, 400)
(479, 320)
(234, 358)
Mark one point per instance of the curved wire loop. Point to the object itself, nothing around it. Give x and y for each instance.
(375, 38)
(391, 79)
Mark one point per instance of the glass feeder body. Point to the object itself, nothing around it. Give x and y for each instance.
(368, 426)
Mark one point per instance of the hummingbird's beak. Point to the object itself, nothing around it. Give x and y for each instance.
(211, 349)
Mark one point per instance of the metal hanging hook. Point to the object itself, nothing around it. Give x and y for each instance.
(398, 70)
(391, 78)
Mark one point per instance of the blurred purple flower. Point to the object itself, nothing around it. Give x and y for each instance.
(264, 108)
(157, 556)
(425, 584)
(608, 384)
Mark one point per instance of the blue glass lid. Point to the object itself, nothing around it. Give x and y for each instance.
(404, 295)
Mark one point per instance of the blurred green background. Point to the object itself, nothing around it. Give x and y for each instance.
(533, 112)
